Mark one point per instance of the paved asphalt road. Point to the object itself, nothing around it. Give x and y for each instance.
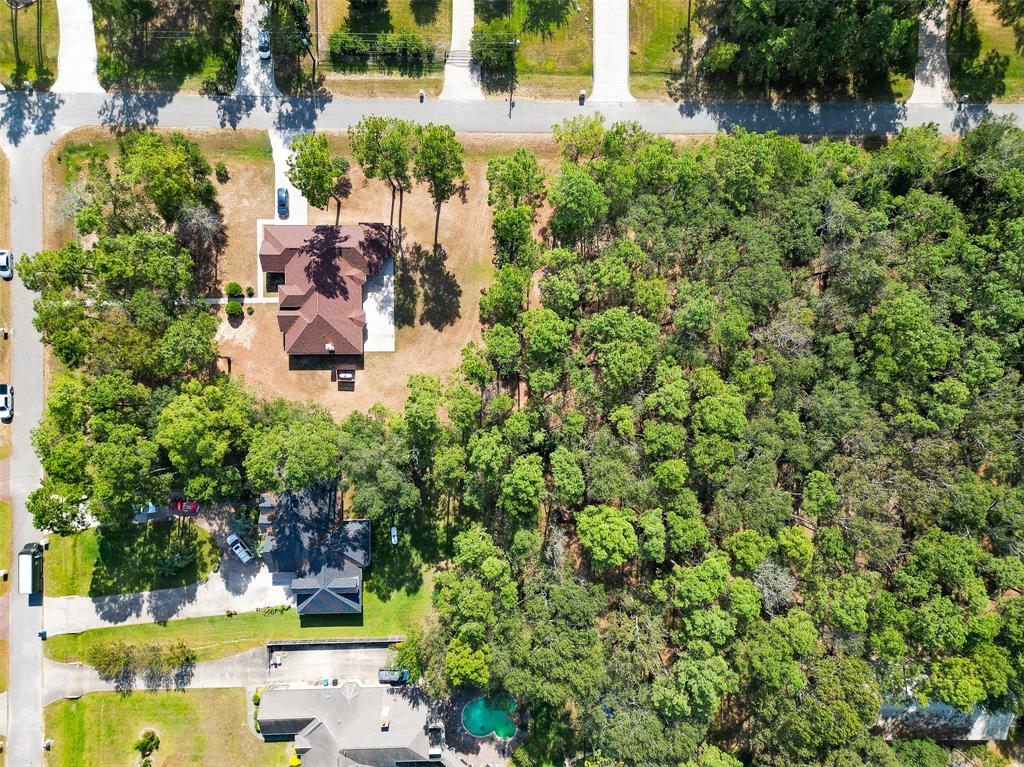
(29, 125)
(25, 721)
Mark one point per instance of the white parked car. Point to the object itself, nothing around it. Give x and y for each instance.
(237, 545)
(394, 536)
(6, 264)
(6, 402)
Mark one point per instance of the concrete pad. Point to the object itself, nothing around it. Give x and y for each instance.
(255, 75)
(379, 307)
(298, 208)
(931, 77)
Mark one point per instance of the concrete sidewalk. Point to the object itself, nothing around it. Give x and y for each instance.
(234, 587)
(76, 59)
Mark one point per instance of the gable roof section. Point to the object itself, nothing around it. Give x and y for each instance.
(324, 556)
(320, 304)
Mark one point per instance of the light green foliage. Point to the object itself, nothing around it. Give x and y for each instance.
(608, 535)
(579, 206)
(748, 549)
(514, 180)
(522, 488)
(314, 172)
(796, 547)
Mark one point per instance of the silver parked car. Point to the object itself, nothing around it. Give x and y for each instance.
(237, 545)
(6, 264)
(6, 402)
(263, 44)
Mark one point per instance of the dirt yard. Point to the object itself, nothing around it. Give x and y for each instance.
(248, 193)
(437, 299)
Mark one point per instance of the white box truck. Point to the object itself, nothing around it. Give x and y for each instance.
(30, 569)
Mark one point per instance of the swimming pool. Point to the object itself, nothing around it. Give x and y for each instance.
(481, 717)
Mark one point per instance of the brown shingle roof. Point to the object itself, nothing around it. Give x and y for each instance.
(321, 299)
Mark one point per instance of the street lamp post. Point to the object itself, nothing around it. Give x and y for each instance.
(305, 42)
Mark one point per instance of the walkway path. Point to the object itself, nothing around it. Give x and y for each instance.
(931, 78)
(611, 51)
(247, 669)
(255, 75)
(76, 60)
(234, 587)
(461, 78)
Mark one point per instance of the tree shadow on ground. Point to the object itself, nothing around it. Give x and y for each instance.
(442, 294)
(425, 11)
(493, 9)
(406, 293)
(400, 567)
(543, 16)
(981, 77)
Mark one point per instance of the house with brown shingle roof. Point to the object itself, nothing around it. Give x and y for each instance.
(320, 271)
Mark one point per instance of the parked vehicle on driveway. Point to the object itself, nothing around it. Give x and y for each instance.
(30, 569)
(393, 676)
(240, 549)
(263, 44)
(282, 202)
(6, 264)
(6, 402)
(185, 506)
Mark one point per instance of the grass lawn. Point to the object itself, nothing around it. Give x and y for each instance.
(985, 57)
(202, 727)
(41, 76)
(219, 636)
(189, 46)
(555, 57)
(655, 27)
(101, 561)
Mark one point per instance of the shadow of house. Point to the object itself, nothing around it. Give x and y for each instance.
(320, 272)
(319, 556)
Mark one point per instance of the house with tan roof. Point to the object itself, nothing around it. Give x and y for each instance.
(321, 271)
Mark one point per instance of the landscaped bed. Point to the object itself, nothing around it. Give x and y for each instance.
(203, 727)
(101, 561)
(222, 635)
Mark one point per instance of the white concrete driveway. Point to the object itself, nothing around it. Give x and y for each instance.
(246, 669)
(611, 52)
(379, 307)
(461, 80)
(931, 77)
(298, 208)
(255, 75)
(234, 587)
(76, 60)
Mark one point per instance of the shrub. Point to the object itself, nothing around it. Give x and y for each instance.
(344, 44)
(233, 290)
(220, 170)
(148, 743)
(257, 696)
(250, 291)
(249, 310)
(233, 309)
